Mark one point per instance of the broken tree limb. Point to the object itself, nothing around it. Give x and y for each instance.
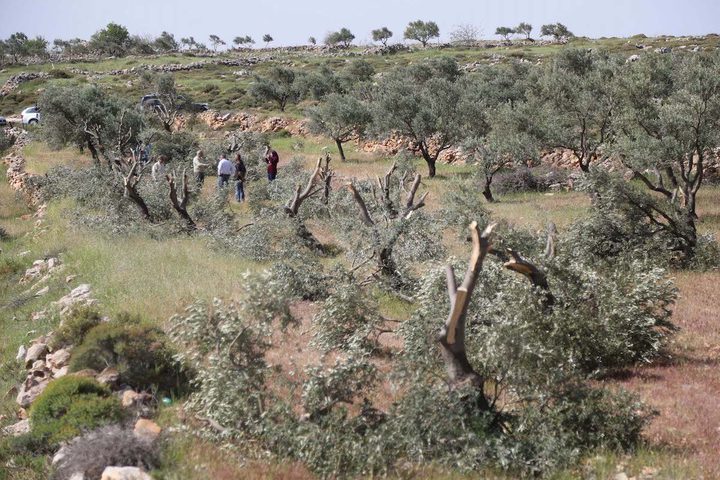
(536, 276)
(410, 205)
(364, 213)
(452, 334)
(130, 182)
(180, 204)
(320, 174)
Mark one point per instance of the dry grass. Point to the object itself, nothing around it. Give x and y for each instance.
(40, 158)
(685, 389)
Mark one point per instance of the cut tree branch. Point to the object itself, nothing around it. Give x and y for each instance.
(452, 334)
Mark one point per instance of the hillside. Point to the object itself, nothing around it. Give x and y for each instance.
(295, 334)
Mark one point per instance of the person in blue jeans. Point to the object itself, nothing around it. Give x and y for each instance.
(240, 172)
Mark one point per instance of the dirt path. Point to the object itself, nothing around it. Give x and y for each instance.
(685, 389)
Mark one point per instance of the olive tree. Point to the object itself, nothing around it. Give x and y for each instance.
(525, 29)
(421, 31)
(504, 32)
(267, 38)
(428, 110)
(668, 125)
(556, 30)
(340, 117)
(216, 42)
(577, 96)
(342, 36)
(112, 40)
(279, 86)
(382, 35)
(166, 42)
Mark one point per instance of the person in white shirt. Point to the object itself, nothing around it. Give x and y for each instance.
(158, 168)
(225, 171)
(199, 168)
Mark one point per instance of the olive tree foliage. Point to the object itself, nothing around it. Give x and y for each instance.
(19, 45)
(394, 230)
(524, 28)
(166, 43)
(556, 30)
(85, 116)
(279, 86)
(342, 37)
(537, 412)
(216, 41)
(267, 38)
(354, 79)
(577, 97)
(114, 39)
(340, 117)
(382, 35)
(668, 126)
(511, 141)
(425, 104)
(241, 41)
(421, 31)
(504, 32)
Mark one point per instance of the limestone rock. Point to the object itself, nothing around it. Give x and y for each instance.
(22, 351)
(109, 376)
(17, 429)
(131, 398)
(79, 295)
(30, 389)
(59, 358)
(60, 372)
(124, 473)
(35, 352)
(42, 291)
(147, 429)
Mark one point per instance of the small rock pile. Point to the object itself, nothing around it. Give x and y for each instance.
(42, 365)
(16, 80)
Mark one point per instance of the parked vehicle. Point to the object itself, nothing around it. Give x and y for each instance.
(153, 102)
(30, 116)
(3, 122)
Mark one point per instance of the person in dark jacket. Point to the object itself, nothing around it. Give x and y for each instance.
(272, 159)
(240, 172)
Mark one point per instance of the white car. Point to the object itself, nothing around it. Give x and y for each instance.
(30, 116)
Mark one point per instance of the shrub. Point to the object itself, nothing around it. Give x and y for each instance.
(524, 179)
(6, 141)
(9, 266)
(68, 406)
(111, 445)
(138, 351)
(76, 324)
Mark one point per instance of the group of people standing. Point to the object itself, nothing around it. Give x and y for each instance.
(227, 170)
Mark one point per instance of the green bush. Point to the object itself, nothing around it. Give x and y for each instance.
(68, 406)
(138, 351)
(74, 327)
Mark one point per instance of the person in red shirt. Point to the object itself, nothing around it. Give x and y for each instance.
(272, 159)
